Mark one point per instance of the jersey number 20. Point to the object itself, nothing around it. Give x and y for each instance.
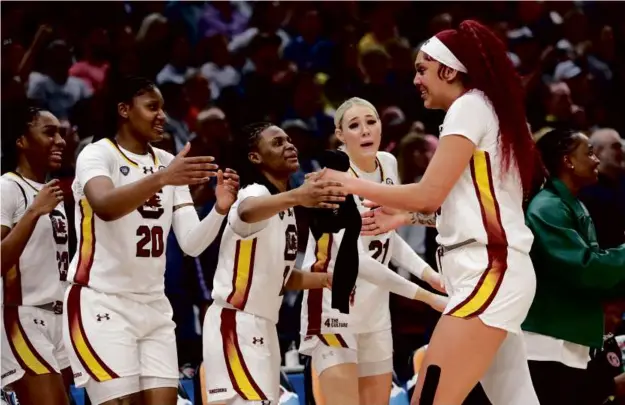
(151, 242)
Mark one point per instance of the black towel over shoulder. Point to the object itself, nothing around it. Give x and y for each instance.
(346, 217)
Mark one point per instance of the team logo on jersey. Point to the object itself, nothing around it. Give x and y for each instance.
(59, 227)
(290, 246)
(161, 167)
(389, 181)
(103, 317)
(124, 170)
(258, 341)
(39, 322)
(613, 359)
(152, 208)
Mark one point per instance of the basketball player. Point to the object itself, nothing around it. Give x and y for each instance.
(118, 323)
(256, 258)
(477, 180)
(353, 354)
(34, 261)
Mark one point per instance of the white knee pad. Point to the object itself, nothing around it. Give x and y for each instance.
(100, 392)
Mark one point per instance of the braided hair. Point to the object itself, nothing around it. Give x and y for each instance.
(22, 117)
(248, 141)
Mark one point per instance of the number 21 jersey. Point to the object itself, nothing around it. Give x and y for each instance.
(127, 255)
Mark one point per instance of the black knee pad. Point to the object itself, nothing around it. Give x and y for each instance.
(430, 384)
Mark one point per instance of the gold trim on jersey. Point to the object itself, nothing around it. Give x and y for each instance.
(497, 247)
(89, 359)
(240, 376)
(377, 161)
(86, 247)
(12, 285)
(323, 254)
(127, 159)
(242, 273)
(23, 350)
(333, 340)
(22, 179)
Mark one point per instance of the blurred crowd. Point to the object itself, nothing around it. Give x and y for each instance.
(222, 64)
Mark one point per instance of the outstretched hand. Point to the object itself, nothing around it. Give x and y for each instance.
(226, 190)
(380, 220)
(185, 170)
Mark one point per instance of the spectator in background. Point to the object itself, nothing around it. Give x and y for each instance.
(151, 36)
(382, 28)
(574, 275)
(309, 50)
(395, 127)
(376, 65)
(266, 82)
(307, 105)
(219, 70)
(267, 18)
(198, 90)
(413, 157)
(177, 109)
(605, 200)
(178, 69)
(94, 65)
(53, 88)
(228, 18)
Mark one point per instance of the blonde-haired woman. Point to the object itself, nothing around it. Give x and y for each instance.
(353, 353)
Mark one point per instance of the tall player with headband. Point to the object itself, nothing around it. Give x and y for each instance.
(483, 168)
(34, 261)
(353, 353)
(118, 325)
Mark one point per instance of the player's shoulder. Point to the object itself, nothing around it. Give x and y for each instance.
(386, 158)
(103, 147)
(163, 156)
(9, 184)
(253, 190)
(475, 102)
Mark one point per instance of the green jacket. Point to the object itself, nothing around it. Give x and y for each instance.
(574, 276)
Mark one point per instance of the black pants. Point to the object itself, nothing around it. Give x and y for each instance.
(557, 384)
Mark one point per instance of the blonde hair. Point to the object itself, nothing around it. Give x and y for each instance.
(340, 112)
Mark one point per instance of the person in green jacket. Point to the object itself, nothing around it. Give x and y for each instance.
(574, 276)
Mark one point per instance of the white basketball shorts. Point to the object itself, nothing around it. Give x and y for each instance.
(32, 342)
(109, 336)
(241, 357)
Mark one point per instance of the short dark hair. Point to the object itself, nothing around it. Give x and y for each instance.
(130, 87)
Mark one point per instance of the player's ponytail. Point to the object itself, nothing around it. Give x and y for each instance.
(491, 71)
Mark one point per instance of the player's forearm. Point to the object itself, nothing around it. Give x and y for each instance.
(14, 243)
(117, 202)
(419, 218)
(257, 209)
(404, 256)
(193, 235)
(303, 280)
(407, 197)
(380, 275)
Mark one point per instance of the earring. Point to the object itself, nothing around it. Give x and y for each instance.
(572, 167)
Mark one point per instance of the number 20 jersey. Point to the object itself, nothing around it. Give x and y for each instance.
(254, 266)
(127, 255)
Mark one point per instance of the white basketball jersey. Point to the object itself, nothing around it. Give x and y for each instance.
(38, 276)
(484, 204)
(369, 310)
(127, 255)
(254, 265)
